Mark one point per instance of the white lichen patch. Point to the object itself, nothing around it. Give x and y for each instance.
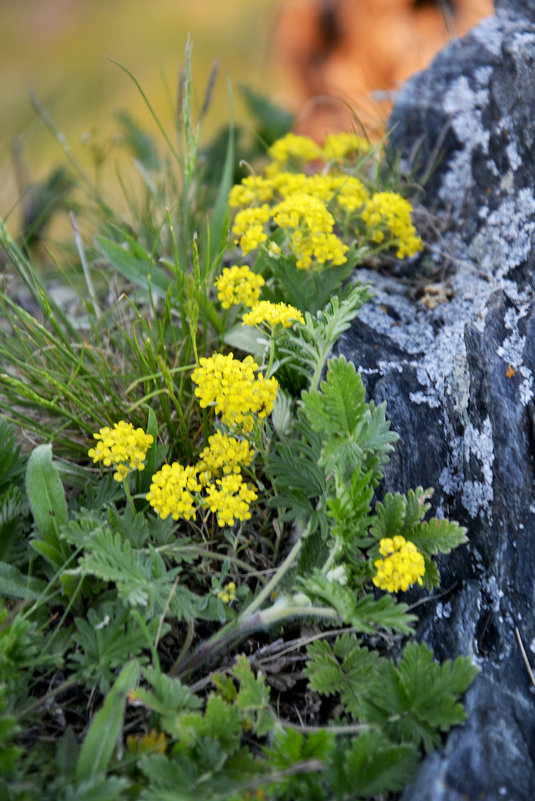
(506, 238)
(512, 154)
(512, 351)
(489, 33)
(465, 105)
(420, 397)
(477, 495)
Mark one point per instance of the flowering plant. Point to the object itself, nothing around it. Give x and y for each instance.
(235, 496)
(314, 210)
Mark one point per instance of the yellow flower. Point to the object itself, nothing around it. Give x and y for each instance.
(388, 214)
(224, 454)
(171, 491)
(337, 146)
(122, 446)
(402, 565)
(273, 314)
(351, 194)
(301, 207)
(249, 227)
(252, 189)
(234, 388)
(228, 593)
(229, 498)
(238, 285)
(294, 148)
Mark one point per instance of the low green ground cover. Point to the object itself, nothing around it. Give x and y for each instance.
(202, 597)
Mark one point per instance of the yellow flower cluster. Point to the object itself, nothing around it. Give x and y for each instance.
(122, 446)
(294, 148)
(235, 389)
(175, 490)
(223, 454)
(229, 498)
(249, 227)
(388, 214)
(402, 565)
(312, 237)
(338, 146)
(273, 314)
(171, 491)
(300, 204)
(238, 285)
(228, 593)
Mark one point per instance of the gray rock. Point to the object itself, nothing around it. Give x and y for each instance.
(459, 384)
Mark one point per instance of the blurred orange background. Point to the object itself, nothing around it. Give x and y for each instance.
(295, 51)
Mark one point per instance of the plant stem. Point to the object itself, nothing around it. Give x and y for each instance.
(275, 579)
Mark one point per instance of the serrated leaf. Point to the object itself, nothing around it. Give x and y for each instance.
(419, 698)
(106, 640)
(385, 612)
(141, 576)
(371, 766)
(340, 598)
(347, 669)
(390, 516)
(253, 697)
(168, 695)
(353, 432)
(434, 535)
(431, 577)
(417, 506)
(225, 686)
(350, 509)
(288, 750)
(338, 408)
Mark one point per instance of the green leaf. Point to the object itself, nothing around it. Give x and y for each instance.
(16, 585)
(103, 733)
(353, 432)
(140, 575)
(168, 695)
(139, 271)
(384, 612)
(253, 697)
(318, 587)
(306, 348)
(219, 218)
(418, 699)
(390, 516)
(371, 766)
(417, 506)
(339, 407)
(434, 535)
(350, 510)
(347, 669)
(47, 502)
(13, 462)
(289, 750)
(106, 640)
(220, 722)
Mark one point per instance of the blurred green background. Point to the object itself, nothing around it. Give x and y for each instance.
(58, 49)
